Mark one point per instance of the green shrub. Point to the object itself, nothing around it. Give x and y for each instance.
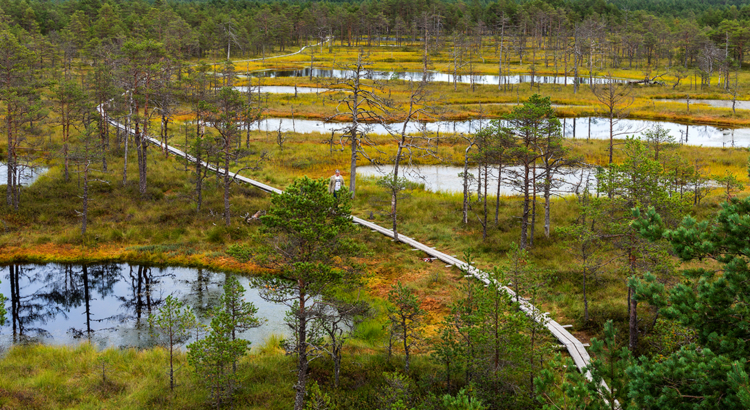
(217, 234)
(370, 331)
(239, 251)
(155, 248)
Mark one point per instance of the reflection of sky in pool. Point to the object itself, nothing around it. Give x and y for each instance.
(740, 105)
(283, 89)
(57, 303)
(431, 76)
(27, 176)
(441, 178)
(705, 135)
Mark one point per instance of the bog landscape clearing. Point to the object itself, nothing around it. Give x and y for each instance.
(378, 204)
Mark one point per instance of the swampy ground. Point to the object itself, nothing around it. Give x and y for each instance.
(163, 227)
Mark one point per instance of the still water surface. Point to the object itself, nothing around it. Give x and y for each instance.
(432, 76)
(109, 304)
(442, 178)
(27, 176)
(283, 89)
(580, 128)
(741, 105)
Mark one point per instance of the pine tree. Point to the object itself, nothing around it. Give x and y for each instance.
(226, 112)
(528, 124)
(502, 342)
(639, 181)
(447, 349)
(21, 102)
(214, 356)
(307, 232)
(407, 319)
(172, 326)
(714, 300)
(242, 315)
(606, 387)
(67, 96)
(142, 61)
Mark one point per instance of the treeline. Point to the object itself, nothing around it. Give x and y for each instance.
(706, 10)
(629, 29)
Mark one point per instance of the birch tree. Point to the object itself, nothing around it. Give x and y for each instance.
(471, 141)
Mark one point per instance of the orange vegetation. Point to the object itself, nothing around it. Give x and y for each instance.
(54, 253)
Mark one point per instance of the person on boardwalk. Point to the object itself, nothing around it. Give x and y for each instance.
(337, 182)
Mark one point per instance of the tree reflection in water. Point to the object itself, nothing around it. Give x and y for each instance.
(107, 304)
(42, 294)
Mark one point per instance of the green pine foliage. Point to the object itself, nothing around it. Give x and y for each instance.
(713, 300)
(3, 311)
(144, 61)
(317, 399)
(242, 315)
(561, 385)
(214, 358)
(406, 318)
(308, 241)
(462, 401)
(172, 326)
(488, 343)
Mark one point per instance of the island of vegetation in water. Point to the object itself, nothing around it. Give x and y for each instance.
(374, 205)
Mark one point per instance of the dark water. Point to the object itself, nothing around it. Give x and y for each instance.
(109, 304)
(433, 76)
(579, 128)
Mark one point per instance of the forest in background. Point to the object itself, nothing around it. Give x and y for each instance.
(198, 28)
(606, 257)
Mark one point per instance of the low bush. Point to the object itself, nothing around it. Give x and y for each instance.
(239, 251)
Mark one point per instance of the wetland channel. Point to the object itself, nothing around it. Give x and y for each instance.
(432, 76)
(446, 178)
(574, 128)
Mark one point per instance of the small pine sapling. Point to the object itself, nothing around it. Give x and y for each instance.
(172, 327)
(407, 318)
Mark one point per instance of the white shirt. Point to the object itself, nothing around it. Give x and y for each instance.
(337, 181)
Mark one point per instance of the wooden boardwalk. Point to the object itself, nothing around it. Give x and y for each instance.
(575, 348)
